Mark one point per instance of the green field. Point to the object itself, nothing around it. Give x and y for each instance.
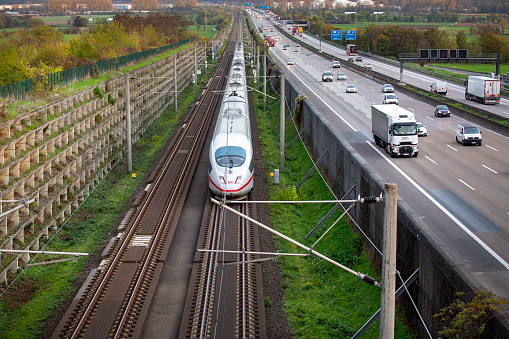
(209, 32)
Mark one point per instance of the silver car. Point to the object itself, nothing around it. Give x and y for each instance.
(341, 76)
(351, 89)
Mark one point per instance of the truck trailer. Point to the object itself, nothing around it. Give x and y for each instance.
(484, 90)
(351, 49)
(395, 129)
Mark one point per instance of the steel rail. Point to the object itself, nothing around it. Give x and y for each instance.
(128, 237)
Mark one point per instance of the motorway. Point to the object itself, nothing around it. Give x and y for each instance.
(460, 192)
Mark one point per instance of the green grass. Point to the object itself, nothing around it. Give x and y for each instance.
(321, 300)
(44, 288)
(478, 68)
(209, 33)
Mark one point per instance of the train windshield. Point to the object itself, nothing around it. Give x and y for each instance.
(230, 156)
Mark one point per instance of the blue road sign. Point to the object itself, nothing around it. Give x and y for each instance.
(350, 34)
(335, 35)
(264, 7)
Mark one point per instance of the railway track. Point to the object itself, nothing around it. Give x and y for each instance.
(117, 298)
(225, 298)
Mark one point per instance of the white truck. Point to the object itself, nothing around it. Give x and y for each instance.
(484, 90)
(395, 129)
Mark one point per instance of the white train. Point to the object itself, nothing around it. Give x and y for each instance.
(231, 151)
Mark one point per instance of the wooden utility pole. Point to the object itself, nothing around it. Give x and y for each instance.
(387, 308)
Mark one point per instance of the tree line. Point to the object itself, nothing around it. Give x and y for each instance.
(42, 50)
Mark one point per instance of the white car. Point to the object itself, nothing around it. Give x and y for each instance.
(336, 64)
(351, 89)
(390, 98)
(327, 76)
(422, 131)
(368, 66)
(291, 62)
(341, 76)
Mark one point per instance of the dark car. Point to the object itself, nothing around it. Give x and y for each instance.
(358, 58)
(351, 59)
(442, 111)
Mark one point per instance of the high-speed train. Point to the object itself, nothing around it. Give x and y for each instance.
(231, 151)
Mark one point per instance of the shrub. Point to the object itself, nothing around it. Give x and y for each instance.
(469, 319)
(98, 92)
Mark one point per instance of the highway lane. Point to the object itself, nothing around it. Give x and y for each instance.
(451, 187)
(454, 91)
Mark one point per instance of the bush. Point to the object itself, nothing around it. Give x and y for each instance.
(98, 92)
(469, 319)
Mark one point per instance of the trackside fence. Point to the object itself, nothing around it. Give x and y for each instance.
(22, 89)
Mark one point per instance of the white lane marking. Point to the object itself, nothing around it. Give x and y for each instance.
(430, 159)
(323, 101)
(496, 150)
(355, 108)
(464, 183)
(368, 116)
(411, 109)
(452, 148)
(372, 90)
(429, 118)
(449, 214)
(490, 169)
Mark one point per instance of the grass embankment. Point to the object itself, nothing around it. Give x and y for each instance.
(19, 107)
(34, 297)
(321, 300)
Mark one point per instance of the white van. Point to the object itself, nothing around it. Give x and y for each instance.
(468, 134)
(438, 87)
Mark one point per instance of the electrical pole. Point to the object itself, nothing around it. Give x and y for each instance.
(282, 102)
(257, 64)
(128, 124)
(387, 307)
(195, 79)
(175, 79)
(264, 79)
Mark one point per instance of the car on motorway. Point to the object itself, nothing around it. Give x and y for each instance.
(284, 48)
(327, 76)
(359, 58)
(351, 89)
(468, 134)
(296, 50)
(291, 62)
(387, 88)
(442, 111)
(341, 76)
(297, 45)
(368, 66)
(336, 64)
(351, 59)
(422, 131)
(390, 98)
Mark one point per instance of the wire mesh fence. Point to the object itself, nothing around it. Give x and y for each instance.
(22, 89)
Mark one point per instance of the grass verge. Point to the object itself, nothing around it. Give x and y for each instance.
(33, 298)
(321, 300)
